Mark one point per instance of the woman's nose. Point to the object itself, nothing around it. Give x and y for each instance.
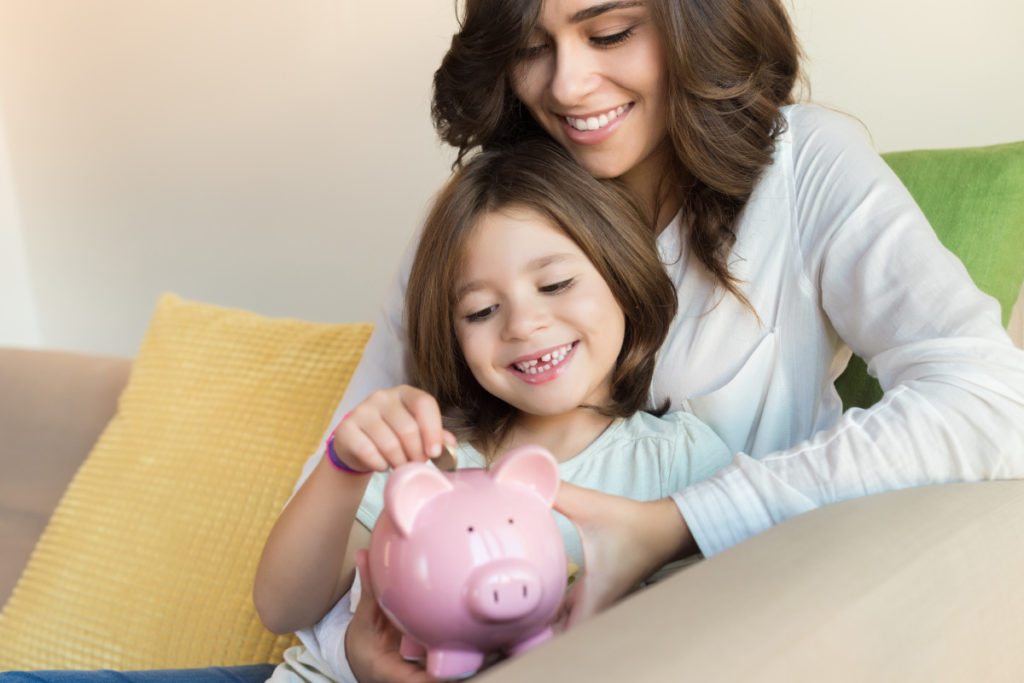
(574, 75)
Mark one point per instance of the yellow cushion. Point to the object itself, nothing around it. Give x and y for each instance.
(149, 559)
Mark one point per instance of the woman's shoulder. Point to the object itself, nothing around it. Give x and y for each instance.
(815, 132)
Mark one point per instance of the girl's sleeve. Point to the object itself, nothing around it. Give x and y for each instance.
(953, 408)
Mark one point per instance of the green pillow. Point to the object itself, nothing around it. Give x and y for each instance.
(974, 198)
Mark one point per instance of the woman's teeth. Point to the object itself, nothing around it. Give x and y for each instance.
(595, 122)
(545, 362)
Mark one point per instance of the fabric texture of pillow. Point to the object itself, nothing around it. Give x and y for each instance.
(148, 561)
(974, 198)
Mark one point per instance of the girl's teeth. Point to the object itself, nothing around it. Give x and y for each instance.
(550, 360)
(595, 122)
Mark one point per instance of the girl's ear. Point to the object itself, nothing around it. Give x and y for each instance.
(408, 489)
(530, 466)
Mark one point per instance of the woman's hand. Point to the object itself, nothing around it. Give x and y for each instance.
(624, 542)
(390, 428)
(371, 642)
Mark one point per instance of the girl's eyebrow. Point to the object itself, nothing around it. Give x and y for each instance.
(597, 10)
(536, 264)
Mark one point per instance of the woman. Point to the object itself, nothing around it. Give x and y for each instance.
(789, 241)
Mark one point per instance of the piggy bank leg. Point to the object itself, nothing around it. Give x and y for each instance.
(531, 642)
(411, 649)
(453, 663)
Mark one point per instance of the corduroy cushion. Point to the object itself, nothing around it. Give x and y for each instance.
(974, 198)
(149, 559)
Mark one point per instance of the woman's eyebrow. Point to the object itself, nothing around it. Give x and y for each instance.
(597, 10)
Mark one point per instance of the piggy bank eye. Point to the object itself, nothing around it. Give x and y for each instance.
(511, 521)
(469, 529)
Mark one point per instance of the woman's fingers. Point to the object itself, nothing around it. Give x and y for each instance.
(624, 542)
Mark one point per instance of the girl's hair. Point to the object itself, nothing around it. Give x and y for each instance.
(731, 65)
(604, 221)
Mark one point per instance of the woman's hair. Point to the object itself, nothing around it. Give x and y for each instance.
(731, 65)
(600, 217)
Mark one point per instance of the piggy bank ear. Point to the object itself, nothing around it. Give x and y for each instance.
(530, 466)
(408, 489)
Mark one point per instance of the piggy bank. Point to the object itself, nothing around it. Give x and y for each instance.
(470, 562)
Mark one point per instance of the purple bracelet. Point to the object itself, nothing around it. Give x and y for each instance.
(333, 457)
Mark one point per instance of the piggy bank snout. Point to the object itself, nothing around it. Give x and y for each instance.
(504, 590)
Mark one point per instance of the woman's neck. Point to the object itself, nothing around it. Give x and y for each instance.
(564, 435)
(658, 187)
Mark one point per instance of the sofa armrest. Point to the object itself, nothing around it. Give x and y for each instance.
(921, 584)
(53, 406)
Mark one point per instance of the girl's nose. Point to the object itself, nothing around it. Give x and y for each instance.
(574, 75)
(523, 319)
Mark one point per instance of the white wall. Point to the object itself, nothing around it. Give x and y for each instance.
(275, 155)
(18, 323)
(919, 73)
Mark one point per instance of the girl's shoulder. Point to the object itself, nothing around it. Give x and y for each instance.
(677, 428)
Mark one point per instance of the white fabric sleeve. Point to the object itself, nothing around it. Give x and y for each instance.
(953, 408)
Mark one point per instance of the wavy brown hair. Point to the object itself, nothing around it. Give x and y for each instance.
(731, 64)
(600, 217)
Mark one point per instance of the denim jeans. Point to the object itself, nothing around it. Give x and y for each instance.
(256, 673)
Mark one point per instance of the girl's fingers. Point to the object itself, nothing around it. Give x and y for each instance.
(387, 442)
(427, 414)
(398, 425)
(356, 447)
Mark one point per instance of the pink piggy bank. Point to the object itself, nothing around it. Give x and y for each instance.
(470, 562)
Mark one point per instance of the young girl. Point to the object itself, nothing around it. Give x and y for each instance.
(536, 305)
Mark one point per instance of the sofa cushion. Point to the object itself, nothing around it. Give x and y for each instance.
(148, 561)
(974, 198)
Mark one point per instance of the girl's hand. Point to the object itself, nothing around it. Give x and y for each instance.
(371, 642)
(390, 428)
(624, 542)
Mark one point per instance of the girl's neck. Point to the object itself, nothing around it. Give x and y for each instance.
(564, 435)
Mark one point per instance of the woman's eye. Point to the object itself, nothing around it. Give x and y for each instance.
(613, 39)
(558, 286)
(482, 314)
(531, 51)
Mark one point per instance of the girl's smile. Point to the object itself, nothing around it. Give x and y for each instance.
(543, 367)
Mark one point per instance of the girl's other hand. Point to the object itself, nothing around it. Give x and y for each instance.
(624, 542)
(390, 428)
(371, 642)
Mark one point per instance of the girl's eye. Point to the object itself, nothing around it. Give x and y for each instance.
(558, 286)
(482, 314)
(613, 39)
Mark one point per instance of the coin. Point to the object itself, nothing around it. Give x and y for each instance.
(448, 460)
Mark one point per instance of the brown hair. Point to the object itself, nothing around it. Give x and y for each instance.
(602, 219)
(731, 65)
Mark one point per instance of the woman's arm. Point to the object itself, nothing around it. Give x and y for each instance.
(954, 403)
(953, 408)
